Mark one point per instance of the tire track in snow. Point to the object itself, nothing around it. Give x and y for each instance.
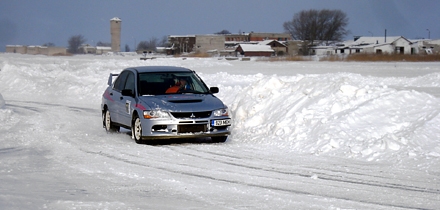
(321, 174)
(39, 106)
(268, 179)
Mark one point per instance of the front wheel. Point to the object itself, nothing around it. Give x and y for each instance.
(219, 139)
(136, 130)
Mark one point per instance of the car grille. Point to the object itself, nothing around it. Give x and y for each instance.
(193, 115)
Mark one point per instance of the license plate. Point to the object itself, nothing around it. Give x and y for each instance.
(192, 128)
(224, 122)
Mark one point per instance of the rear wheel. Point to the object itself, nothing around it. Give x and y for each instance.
(219, 139)
(136, 130)
(108, 124)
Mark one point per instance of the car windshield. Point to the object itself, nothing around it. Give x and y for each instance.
(159, 83)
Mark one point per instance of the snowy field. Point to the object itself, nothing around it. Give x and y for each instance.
(306, 135)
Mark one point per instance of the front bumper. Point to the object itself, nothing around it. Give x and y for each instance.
(183, 128)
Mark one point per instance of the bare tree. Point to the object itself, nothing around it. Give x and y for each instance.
(313, 26)
(153, 42)
(163, 42)
(224, 31)
(333, 25)
(142, 45)
(74, 43)
(127, 48)
(49, 44)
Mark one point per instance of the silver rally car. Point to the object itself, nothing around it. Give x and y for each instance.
(164, 102)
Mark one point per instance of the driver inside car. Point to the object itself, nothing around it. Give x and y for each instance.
(179, 86)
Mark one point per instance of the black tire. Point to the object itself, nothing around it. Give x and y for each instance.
(219, 139)
(107, 122)
(136, 130)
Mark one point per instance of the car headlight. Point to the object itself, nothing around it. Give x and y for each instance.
(156, 114)
(221, 112)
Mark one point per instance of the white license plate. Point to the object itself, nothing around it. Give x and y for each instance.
(221, 122)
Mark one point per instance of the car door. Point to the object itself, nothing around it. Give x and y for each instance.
(128, 101)
(116, 94)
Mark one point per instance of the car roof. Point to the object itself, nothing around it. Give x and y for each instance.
(144, 69)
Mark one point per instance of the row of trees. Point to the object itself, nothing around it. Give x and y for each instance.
(152, 44)
(310, 26)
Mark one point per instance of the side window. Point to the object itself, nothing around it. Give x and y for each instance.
(130, 82)
(120, 81)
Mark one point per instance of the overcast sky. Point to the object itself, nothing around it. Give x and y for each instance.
(36, 22)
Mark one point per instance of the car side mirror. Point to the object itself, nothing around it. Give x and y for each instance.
(213, 89)
(127, 92)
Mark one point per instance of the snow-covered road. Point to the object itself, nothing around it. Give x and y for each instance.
(343, 136)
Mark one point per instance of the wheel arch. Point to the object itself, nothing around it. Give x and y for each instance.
(133, 116)
(104, 108)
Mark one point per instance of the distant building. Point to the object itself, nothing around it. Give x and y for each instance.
(269, 36)
(427, 46)
(242, 37)
(52, 50)
(206, 43)
(277, 46)
(248, 50)
(102, 50)
(294, 47)
(115, 32)
(392, 44)
(226, 44)
(87, 49)
(36, 50)
(16, 49)
(195, 43)
(98, 50)
(372, 45)
(181, 43)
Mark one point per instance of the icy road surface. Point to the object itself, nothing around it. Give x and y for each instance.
(306, 135)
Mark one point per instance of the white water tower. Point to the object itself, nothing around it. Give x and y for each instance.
(115, 32)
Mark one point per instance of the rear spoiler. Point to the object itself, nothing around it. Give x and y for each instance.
(110, 79)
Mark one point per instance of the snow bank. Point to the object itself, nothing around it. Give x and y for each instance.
(337, 114)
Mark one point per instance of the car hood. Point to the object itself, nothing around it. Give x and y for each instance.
(183, 102)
